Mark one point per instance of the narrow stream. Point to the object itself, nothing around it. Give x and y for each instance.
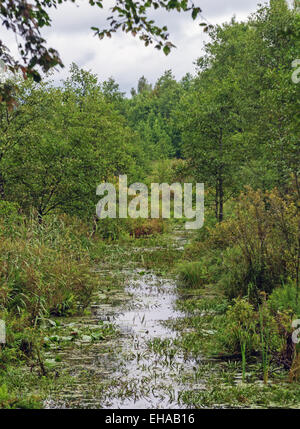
(153, 377)
(128, 372)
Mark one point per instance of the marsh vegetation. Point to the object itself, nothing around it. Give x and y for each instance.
(141, 312)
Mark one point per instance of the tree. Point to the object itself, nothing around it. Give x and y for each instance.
(150, 112)
(167, 95)
(143, 85)
(76, 141)
(277, 123)
(210, 120)
(25, 19)
(210, 133)
(111, 91)
(240, 118)
(15, 124)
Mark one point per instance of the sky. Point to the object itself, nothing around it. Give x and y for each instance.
(124, 57)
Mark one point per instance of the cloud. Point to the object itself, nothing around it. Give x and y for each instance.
(70, 18)
(123, 57)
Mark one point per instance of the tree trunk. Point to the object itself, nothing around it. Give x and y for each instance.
(220, 179)
(2, 183)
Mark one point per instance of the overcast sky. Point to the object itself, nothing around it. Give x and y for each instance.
(126, 58)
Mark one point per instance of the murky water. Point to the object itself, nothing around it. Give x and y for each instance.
(128, 372)
(153, 377)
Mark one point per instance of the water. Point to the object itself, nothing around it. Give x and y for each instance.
(127, 372)
(153, 377)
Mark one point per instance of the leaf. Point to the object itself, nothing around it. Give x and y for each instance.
(166, 50)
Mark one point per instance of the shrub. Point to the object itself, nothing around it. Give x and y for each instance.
(283, 298)
(238, 327)
(145, 227)
(113, 229)
(193, 274)
(10, 218)
(110, 229)
(11, 401)
(257, 249)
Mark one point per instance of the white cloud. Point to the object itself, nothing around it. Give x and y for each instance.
(124, 57)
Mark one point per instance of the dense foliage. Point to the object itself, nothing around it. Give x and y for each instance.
(234, 126)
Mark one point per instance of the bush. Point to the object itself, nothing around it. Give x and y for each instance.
(110, 229)
(238, 326)
(258, 330)
(193, 274)
(113, 229)
(145, 227)
(257, 248)
(284, 298)
(10, 401)
(10, 217)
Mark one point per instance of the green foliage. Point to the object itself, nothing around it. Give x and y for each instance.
(161, 172)
(192, 274)
(10, 217)
(236, 123)
(244, 332)
(44, 271)
(254, 250)
(76, 141)
(10, 401)
(28, 19)
(150, 112)
(283, 298)
(239, 124)
(9, 211)
(240, 328)
(114, 229)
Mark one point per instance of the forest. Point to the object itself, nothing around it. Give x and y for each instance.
(141, 312)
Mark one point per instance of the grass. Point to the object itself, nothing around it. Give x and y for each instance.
(192, 274)
(50, 278)
(46, 274)
(218, 394)
(225, 383)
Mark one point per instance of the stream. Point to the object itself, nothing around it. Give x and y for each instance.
(129, 371)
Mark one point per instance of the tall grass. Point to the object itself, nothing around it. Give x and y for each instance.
(44, 269)
(243, 351)
(264, 348)
(192, 274)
